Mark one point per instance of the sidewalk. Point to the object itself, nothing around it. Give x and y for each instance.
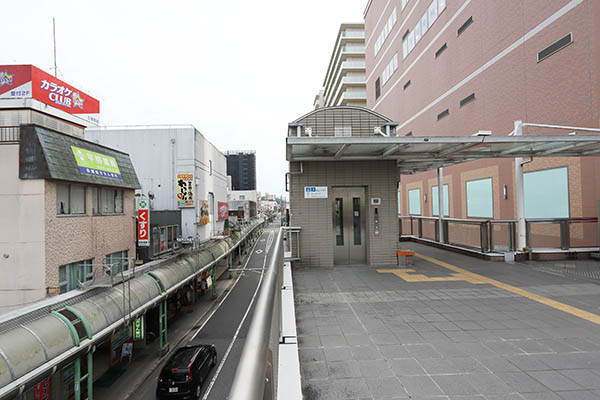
(451, 327)
(145, 360)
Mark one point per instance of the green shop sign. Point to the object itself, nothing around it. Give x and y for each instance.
(92, 163)
(138, 329)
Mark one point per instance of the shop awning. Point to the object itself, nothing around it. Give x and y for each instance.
(421, 153)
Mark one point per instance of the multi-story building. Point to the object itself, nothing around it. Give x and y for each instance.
(344, 82)
(459, 67)
(183, 175)
(66, 205)
(241, 166)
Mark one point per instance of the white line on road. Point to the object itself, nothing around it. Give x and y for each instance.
(224, 297)
(214, 379)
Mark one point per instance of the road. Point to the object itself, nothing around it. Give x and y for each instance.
(227, 326)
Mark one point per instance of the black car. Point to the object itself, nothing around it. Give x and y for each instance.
(185, 372)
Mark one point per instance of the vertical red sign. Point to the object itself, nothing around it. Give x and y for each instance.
(143, 223)
(42, 390)
(223, 210)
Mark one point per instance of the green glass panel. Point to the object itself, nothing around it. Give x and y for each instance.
(547, 193)
(479, 199)
(414, 202)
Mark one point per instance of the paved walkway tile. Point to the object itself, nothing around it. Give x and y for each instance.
(454, 328)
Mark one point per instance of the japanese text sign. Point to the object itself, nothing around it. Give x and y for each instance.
(92, 163)
(185, 191)
(143, 224)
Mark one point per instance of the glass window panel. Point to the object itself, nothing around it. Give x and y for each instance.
(441, 6)
(339, 221)
(434, 201)
(424, 24)
(479, 198)
(107, 201)
(77, 199)
(433, 12)
(62, 198)
(95, 200)
(356, 219)
(399, 208)
(547, 193)
(414, 202)
(118, 201)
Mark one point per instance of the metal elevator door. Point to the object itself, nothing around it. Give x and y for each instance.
(349, 219)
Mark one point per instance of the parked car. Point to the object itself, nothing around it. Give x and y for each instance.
(181, 378)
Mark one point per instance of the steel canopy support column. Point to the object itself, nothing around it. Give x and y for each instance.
(520, 194)
(77, 379)
(162, 324)
(441, 204)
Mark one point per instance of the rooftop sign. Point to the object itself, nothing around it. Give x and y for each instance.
(29, 82)
(92, 163)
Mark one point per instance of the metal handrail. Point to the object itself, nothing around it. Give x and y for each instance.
(250, 376)
(487, 229)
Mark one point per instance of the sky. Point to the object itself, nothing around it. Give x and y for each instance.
(237, 70)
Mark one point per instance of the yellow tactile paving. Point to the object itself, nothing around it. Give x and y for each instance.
(409, 276)
(588, 316)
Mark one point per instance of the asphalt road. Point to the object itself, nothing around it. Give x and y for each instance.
(227, 327)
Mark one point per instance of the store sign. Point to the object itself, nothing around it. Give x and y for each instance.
(223, 210)
(204, 212)
(27, 81)
(138, 329)
(143, 223)
(315, 192)
(185, 190)
(116, 341)
(42, 390)
(92, 163)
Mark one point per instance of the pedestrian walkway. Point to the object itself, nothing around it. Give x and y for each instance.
(130, 376)
(451, 327)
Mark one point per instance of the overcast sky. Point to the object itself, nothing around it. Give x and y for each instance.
(237, 70)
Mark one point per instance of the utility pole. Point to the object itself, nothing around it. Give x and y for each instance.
(54, 37)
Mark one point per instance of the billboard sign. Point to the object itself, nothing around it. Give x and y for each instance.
(223, 210)
(92, 163)
(204, 212)
(138, 328)
(143, 223)
(27, 81)
(185, 190)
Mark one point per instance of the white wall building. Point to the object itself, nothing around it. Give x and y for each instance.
(160, 155)
(237, 195)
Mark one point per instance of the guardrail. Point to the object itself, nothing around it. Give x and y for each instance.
(484, 235)
(255, 377)
(564, 234)
(272, 330)
(9, 134)
(493, 235)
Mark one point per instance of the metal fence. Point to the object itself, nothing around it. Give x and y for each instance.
(492, 235)
(479, 234)
(9, 134)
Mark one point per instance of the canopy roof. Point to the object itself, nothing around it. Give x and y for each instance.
(420, 153)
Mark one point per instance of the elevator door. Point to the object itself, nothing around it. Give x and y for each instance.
(349, 226)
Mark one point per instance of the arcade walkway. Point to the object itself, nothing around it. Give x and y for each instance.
(451, 327)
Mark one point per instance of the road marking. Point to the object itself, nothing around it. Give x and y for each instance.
(258, 251)
(223, 299)
(409, 277)
(586, 315)
(224, 359)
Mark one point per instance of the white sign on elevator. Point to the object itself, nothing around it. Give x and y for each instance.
(315, 192)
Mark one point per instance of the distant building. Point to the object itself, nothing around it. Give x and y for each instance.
(241, 166)
(183, 175)
(345, 81)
